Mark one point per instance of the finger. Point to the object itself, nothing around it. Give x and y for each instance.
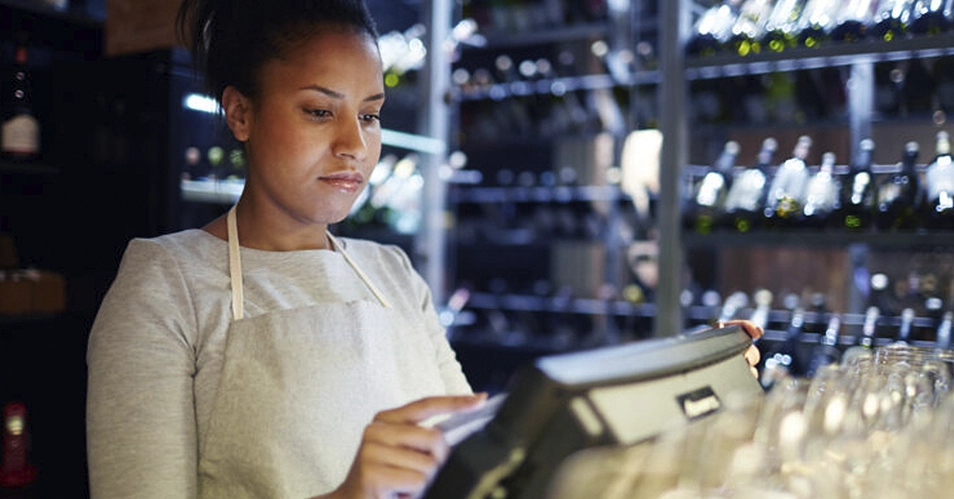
(752, 356)
(401, 458)
(421, 409)
(389, 480)
(754, 331)
(755, 372)
(409, 436)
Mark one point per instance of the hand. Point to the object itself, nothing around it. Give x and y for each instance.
(752, 354)
(397, 456)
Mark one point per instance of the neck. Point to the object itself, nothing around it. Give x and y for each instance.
(258, 230)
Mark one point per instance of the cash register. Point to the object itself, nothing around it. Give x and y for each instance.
(560, 411)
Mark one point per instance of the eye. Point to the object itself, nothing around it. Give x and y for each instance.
(319, 113)
(371, 117)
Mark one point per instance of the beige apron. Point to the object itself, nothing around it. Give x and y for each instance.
(288, 416)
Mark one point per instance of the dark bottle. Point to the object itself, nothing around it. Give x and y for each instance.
(20, 129)
(781, 30)
(942, 338)
(749, 28)
(852, 21)
(787, 356)
(918, 88)
(817, 22)
(733, 305)
(939, 186)
(714, 28)
(943, 70)
(891, 19)
(786, 193)
(888, 86)
(900, 195)
(744, 201)
(16, 470)
(826, 351)
(707, 201)
(821, 195)
(930, 17)
(905, 327)
(763, 306)
(856, 202)
(863, 349)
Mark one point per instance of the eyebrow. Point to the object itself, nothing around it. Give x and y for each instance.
(338, 95)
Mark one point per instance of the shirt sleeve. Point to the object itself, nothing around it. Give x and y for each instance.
(140, 413)
(451, 371)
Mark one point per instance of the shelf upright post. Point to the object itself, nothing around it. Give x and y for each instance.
(861, 85)
(434, 122)
(674, 18)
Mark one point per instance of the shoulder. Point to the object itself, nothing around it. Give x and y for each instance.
(186, 246)
(385, 256)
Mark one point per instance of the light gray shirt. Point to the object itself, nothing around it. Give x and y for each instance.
(156, 348)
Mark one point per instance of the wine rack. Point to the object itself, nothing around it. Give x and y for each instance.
(860, 118)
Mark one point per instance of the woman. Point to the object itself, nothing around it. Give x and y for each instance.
(263, 372)
(260, 356)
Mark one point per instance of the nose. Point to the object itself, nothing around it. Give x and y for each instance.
(351, 140)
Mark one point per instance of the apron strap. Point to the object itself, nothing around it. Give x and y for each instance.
(364, 277)
(235, 269)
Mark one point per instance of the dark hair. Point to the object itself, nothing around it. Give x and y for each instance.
(230, 40)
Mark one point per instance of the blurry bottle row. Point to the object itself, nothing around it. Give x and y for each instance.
(917, 87)
(745, 27)
(915, 308)
(877, 423)
(527, 207)
(520, 16)
(789, 194)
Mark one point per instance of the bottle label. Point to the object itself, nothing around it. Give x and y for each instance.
(940, 178)
(21, 135)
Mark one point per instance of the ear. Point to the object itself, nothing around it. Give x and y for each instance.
(237, 108)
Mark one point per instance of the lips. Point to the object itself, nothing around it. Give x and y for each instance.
(345, 181)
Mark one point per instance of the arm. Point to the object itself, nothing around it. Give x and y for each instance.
(451, 370)
(141, 433)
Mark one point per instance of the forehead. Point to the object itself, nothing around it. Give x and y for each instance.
(337, 48)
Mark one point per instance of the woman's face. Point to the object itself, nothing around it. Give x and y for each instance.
(313, 132)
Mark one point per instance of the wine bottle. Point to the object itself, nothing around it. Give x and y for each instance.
(744, 201)
(826, 351)
(821, 195)
(939, 186)
(930, 17)
(763, 305)
(852, 20)
(781, 30)
(904, 328)
(863, 349)
(891, 19)
(888, 85)
(713, 29)
(709, 195)
(732, 306)
(786, 356)
(918, 88)
(21, 129)
(942, 338)
(943, 70)
(749, 28)
(856, 202)
(786, 193)
(899, 195)
(817, 22)
(16, 470)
